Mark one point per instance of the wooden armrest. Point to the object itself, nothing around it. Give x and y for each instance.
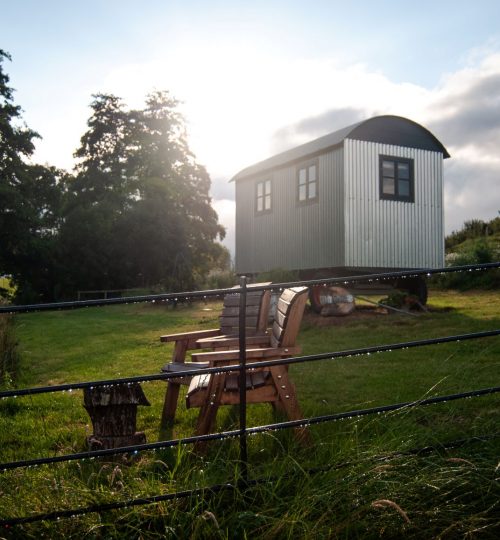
(231, 341)
(175, 367)
(251, 354)
(195, 335)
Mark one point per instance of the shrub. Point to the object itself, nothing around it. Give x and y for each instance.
(220, 279)
(278, 275)
(7, 291)
(480, 253)
(9, 357)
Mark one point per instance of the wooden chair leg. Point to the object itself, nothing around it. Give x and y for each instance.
(278, 407)
(169, 405)
(208, 411)
(288, 401)
(172, 391)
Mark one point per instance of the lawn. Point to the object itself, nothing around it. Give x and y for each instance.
(452, 494)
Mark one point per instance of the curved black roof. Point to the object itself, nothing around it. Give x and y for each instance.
(394, 130)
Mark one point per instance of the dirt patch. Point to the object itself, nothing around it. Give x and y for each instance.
(360, 313)
(364, 313)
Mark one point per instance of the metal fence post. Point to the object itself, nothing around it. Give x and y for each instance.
(242, 377)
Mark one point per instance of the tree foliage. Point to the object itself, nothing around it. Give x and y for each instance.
(477, 242)
(30, 197)
(472, 229)
(136, 211)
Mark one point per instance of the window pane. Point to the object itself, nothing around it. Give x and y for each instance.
(268, 187)
(404, 171)
(260, 189)
(387, 168)
(312, 190)
(302, 193)
(260, 204)
(267, 204)
(312, 173)
(388, 186)
(302, 176)
(404, 188)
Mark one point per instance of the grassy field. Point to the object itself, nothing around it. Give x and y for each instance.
(444, 494)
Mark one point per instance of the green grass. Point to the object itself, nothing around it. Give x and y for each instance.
(444, 494)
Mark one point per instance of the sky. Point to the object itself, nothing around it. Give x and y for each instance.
(256, 78)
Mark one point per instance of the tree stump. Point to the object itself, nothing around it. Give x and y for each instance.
(113, 411)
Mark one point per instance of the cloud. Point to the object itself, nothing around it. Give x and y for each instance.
(465, 114)
(471, 191)
(222, 189)
(471, 117)
(314, 127)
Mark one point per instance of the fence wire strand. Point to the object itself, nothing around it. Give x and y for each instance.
(160, 445)
(250, 365)
(218, 488)
(176, 297)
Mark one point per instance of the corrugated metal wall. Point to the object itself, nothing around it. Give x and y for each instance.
(392, 234)
(292, 236)
(349, 226)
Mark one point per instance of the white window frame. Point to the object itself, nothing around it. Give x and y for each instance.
(308, 182)
(264, 196)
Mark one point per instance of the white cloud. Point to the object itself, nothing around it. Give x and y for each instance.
(236, 99)
(465, 114)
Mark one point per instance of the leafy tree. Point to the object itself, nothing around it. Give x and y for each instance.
(494, 225)
(95, 202)
(138, 211)
(15, 143)
(102, 166)
(179, 224)
(474, 228)
(29, 204)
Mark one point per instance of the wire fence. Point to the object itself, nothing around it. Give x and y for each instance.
(304, 422)
(243, 432)
(334, 355)
(209, 491)
(176, 297)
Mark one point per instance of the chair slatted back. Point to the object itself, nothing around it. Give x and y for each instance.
(257, 311)
(288, 317)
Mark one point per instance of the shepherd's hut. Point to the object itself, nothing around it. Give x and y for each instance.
(365, 199)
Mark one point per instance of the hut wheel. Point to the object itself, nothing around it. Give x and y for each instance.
(415, 286)
(331, 300)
